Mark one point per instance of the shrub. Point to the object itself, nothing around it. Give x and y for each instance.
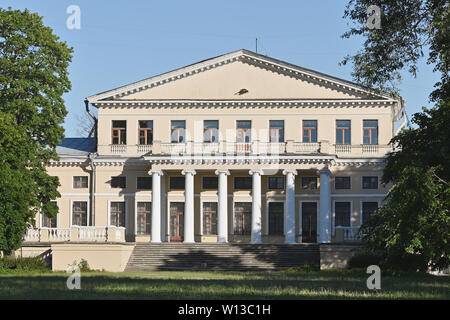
(23, 264)
(363, 260)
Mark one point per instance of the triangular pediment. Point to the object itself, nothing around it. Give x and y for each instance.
(239, 75)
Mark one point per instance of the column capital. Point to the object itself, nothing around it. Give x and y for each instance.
(218, 172)
(293, 171)
(256, 171)
(191, 171)
(324, 171)
(156, 171)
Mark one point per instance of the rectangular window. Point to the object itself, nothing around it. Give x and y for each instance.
(80, 182)
(144, 183)
(211, 131)
(48, 222)
(243, 131)
(276, 130)
(242, 218)
(276, 183)
(210, 183)
(118, 182)
(243, 183)
(276, 218)
(342, 182)
(210, 218)
(367, 209)
(117, 212)
(370, 182)
(143, 217)
(119, 132)
(309, 131)
(370, 131)
(145, 132)
(176, 183)
(342, 214)
(343, 132)
(309, 183)
(178, 131)
(79, 213)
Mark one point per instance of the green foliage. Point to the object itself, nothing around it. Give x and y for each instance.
(362, 260)
(83, 265)
(33, 78)
(8, 264)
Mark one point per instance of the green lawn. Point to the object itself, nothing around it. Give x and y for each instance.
(331, 284)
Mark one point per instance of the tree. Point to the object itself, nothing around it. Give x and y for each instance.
(33, 78)
(413, 224)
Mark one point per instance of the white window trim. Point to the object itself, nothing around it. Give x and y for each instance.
(71, 211)
(41, 215)
(300, 220)
(126, 212)
(168, 214)
(232, 212)
(361, 208)
(201, 213)
(135, 214)
(333, 227)
(267, 215)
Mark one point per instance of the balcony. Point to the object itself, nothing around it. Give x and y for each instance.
(362, 149)
(347, 234)
(77, 234)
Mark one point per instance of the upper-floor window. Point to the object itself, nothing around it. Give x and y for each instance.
(309, 131)
(118, 182)
(119, 132)
(370, 182)
(211, 131)
(144, 183)
(343, 132)
(370, 131)
(276, 130)
(80, 182)
(178, 131)
(177, 183)
(276, 183)
(309, 183)
(145, 132)
(210, 183)
(243, 183)
(342, 182)
(243, 131)
(48, 222)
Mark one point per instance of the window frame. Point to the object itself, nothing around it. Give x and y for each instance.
(145, 133)
(317, 182)
(244, 131)
(125, 213)
(111, 182)
(202, 217)
(370, 129)
(172, 130)
(234, 183)
(41, 219)
(277, 177)
(362, 183)
(179, 177)
(309, 131)
(268, 202)
(350, 182)
(334, 215)
(72, 212)
(212, 131)
(119, 130)
(300, 218)
(343, 132)
(277, 130)
(147, 177)
(136, 219)
(203, 184)
(234, 218)
(361, 208)
(74, 179)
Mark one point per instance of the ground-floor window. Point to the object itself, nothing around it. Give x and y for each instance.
(276, 218)
(79, 213)
(342, 214)
(242, 218)
(117, 212)
(367, 208)
(143, 217)
(48, 222)
(210, 218)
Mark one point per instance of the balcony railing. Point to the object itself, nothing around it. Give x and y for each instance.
(347, 233)
(206, 148)
(305, 147)
(89, 234)
(118, 148)
(343, 148)
(239, 147)
(144, 148)
(173, 148)
(272, 147)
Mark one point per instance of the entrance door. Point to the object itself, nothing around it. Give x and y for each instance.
(176, 221)
(309, 222)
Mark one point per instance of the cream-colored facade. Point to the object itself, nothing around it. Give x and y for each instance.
(243, 148)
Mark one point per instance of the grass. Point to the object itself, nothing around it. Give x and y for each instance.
(329, 284)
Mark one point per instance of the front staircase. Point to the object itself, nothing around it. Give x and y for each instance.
(224, 257)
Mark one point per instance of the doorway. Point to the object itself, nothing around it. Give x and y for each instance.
(309, 222)
(176, 221)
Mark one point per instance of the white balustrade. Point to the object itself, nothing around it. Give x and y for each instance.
(306, 147)
(144, 148)
(92, 233)
(32, 235)
(118, 148)
(59, 234)
(349, 233)
(173, 148)
(343, 148)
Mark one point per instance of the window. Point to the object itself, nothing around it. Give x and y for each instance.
(309, 183)
(370, 182)
(342, 182)
(177, 183)
(309, 131)
(276, 130)
(210, 218)
(242, 218)
(370, 131)
(118, 182)
(144, 218)
(243, 131)
(211, 131)
(343, 132)
(243, 183)
(342, 214)
(79, 213)
(276, 183)
(210, 183)
(367, 209)
(117, 212)
(145, 132)
(48, 222)
(119, 132)
(178, 131)
(144, 183)
(276, 218)
(80, 182)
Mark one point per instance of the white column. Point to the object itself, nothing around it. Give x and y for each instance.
(256, 206)
(222, 214)
(189, 206)
(325, 212)
(156, 205)
(163, 210)
(289, 219)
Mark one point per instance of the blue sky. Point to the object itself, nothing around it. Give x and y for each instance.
(124, 41)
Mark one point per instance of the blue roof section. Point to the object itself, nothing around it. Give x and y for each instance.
(76, 147)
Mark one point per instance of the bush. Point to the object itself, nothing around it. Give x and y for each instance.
(23, 264)
(363, 260)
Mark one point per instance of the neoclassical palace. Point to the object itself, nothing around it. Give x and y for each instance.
(237, 148)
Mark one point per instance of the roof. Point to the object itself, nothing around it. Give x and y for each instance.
(76, 147)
